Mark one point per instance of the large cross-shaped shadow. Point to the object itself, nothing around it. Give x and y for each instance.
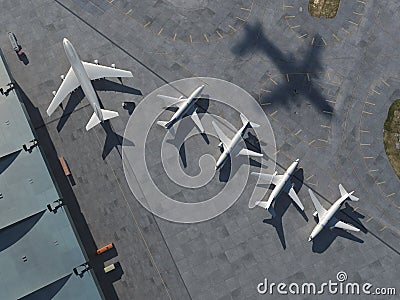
(256, 41)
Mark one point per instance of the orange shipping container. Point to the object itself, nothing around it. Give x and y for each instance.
(105, 248)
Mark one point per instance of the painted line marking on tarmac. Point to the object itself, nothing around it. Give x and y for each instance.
(348, 32)
(298, 132)
(383, 228)
(390, 195)
(273, 114)
(273, 81)
(231, 27)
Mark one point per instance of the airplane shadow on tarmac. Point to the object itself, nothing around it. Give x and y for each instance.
(288, 93)
(99, 85)
(348, 215)
(282, 204)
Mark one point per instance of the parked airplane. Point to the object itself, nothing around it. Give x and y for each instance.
(326, 218)
(282, 183)
(80, 74)
(185, 106)
(229, 145)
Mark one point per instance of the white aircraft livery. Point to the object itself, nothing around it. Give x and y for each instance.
(282, 183)
(80, 74)
(229, 145)
(326, 218)
(185, 106)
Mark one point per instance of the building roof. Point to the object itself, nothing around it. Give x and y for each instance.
(38, 248)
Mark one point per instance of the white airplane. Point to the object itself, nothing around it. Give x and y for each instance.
(282, 183)
(185, 106)
(80, 74)
(326, 218)
(229, 145)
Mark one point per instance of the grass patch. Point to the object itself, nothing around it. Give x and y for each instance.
(323, 8)
(391, 136)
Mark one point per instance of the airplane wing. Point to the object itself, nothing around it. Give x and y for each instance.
(196, 120)
(221, 135)
(342, 225)
(295, 198)
(96, 71)
(318, 207)
(273, 178)
(69, 84)
(248, 152)
(173, 100)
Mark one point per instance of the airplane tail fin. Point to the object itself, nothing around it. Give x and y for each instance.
(343, 192)
(94, 120)
(246, 121)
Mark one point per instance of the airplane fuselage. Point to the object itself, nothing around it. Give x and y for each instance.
(285, 180)
(184, 108)
(324, 220)
(83, 78)
(227, 152)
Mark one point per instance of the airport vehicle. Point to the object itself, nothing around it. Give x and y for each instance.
(282, 184)
(185, 107)
(229, 146)
(80, 74)
(326, 218)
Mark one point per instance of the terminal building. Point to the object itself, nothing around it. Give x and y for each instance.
(41, 256)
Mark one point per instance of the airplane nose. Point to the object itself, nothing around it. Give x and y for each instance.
(310, 239)
(66, 41)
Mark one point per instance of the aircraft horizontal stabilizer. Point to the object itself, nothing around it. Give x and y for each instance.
(163, 124)
(343, 192)
(94, 120)
(246, 121)
(248, 152)
(109, 114)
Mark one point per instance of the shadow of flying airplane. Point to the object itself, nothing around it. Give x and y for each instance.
(256, 41)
